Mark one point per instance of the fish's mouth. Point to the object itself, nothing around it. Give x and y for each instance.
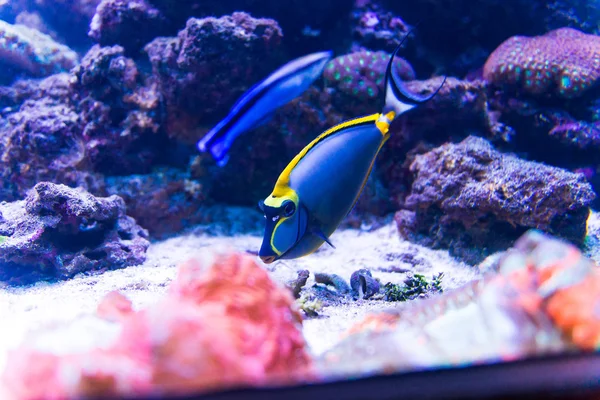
(268, 259)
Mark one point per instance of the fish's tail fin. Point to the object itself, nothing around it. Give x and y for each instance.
(398, 99)
(214, 142)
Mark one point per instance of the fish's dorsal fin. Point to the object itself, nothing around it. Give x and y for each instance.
(397, 96)
(282, 184)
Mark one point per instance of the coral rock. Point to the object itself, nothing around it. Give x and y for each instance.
(57, 232)
(211, 62)
(130, 24)
(42, 141)
(35, 53)
(223, 323)
(375, 27)
(122, 132)
(473, 185)
(163, 202)
(564, 62)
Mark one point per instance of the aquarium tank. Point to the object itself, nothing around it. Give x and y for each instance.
(324, 199)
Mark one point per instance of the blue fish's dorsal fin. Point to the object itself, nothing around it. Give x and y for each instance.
(397, 96)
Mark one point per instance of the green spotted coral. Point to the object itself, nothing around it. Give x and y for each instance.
(362, 74)
(564, 62)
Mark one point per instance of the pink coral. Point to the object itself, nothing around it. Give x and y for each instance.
(220, 325)
(565, 62)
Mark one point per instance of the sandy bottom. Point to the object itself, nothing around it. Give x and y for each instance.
(23, 310)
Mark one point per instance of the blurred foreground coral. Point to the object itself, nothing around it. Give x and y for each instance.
(222, 323)
(541, 297)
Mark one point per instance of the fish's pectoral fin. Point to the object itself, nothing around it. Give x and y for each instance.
(398, 97)
(317, 231)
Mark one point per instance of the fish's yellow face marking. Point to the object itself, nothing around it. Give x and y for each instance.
(275, 200)
(384, 121)
(278, 252)
(284, 212)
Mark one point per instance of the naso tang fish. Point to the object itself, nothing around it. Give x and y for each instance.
(321, 184)
(257, 105)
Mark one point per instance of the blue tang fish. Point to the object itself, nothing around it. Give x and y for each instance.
(321, 184)
(258, 104)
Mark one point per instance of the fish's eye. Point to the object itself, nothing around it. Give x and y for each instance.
(289, 209)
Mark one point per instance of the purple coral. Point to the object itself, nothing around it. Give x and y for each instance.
(57, 232)
(564, 62)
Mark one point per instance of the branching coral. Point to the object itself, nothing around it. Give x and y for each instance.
(564, 62)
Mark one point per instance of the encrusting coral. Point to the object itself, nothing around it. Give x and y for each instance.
(564, 62)
(361, 74)
(223, 323)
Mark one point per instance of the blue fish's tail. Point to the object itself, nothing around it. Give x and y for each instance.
(397, 96)
(215, 143)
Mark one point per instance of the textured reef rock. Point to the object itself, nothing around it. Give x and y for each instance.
(130, 24)
(213, 330)
(203, 70)
(375, 27)
(34, 53)
(306, 23)
(57, 232)
(460, 108)
(41, 141)
(564, 62)
(468, 195)
(540, 302)
(66, 20)
(120, 113)
(163, 202)
(70, 128)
